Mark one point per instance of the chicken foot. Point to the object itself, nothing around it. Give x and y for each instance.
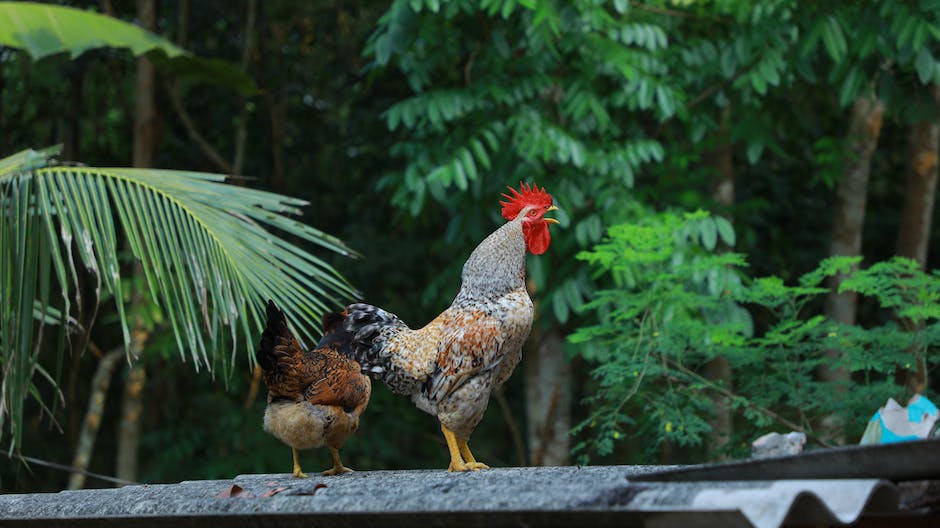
(467, 455)
(460, 457)
(338, 467)
(297, 472)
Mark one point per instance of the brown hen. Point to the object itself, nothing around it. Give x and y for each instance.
(314, 396)
(450, 367)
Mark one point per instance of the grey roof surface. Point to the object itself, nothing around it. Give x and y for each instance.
(561, 496)
(901, 461)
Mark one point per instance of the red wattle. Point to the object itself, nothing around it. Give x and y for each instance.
(537, 237)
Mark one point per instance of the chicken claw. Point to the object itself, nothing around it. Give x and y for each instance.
(460, 457)
(468, 456)
(297, 472)
(338, 467)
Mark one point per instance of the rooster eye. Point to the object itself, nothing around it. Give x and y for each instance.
(532, 212)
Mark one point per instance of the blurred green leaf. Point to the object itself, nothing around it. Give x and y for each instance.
(43, 29)
(925, 65)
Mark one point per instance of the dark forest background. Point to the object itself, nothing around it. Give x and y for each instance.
(803, 130)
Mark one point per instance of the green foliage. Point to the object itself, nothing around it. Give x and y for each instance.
(671, 307)
(901, 285)
(541, 93)
(677, 304)
(209, 262)
(481, 95)
(583, 96)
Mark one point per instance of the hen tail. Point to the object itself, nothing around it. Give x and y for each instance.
(275, 333)
(372, 329)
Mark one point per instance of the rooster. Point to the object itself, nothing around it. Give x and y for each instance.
(450, 367)
(314, 396)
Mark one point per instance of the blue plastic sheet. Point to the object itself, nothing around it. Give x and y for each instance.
(894, 423)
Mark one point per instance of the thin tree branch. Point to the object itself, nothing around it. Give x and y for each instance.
(646, 362)
(513, 428)
(207, 149)
(469, 66)
(759, 408)
(708, 92)
(253, 388)
(173, 91)
(70, 469)
(661, 10)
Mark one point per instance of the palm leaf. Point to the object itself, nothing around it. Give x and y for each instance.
(208, 259)
(43, 29)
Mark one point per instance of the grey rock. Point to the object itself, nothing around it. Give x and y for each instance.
(776, 444)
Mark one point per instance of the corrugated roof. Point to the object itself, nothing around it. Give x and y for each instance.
(915, 460)
(757, 493)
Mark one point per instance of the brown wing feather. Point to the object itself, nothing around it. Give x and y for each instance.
(331, 379)
(471, 344)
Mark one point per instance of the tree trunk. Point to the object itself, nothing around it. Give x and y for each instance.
(145, 142)
(132, 407)
(916, 214)
(182, 24)
(919, 191)
(89, 433)
(241, 132)
(847, 223)
(719, 369)
(548, 402)
(849, 212)
(72, 130)
(3, 151)
(145, 113)
(720, 157)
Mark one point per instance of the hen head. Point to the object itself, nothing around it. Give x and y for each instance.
(531, 203)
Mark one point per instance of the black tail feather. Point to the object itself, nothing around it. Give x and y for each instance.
(366, 323)
(370, 328)
(275, 327)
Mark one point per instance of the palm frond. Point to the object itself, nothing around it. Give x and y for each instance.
(204, 247)
(42, 29)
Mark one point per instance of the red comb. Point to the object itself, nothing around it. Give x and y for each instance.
(529, 195)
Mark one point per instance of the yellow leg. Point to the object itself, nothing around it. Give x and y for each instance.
(467, 455)
(297, 472)
(457, 462)
(338, 467)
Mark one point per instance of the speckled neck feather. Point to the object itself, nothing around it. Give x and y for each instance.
(497, 265)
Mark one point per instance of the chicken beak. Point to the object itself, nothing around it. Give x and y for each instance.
(551, 220)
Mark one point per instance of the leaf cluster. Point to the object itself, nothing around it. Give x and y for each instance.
(677, 304)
